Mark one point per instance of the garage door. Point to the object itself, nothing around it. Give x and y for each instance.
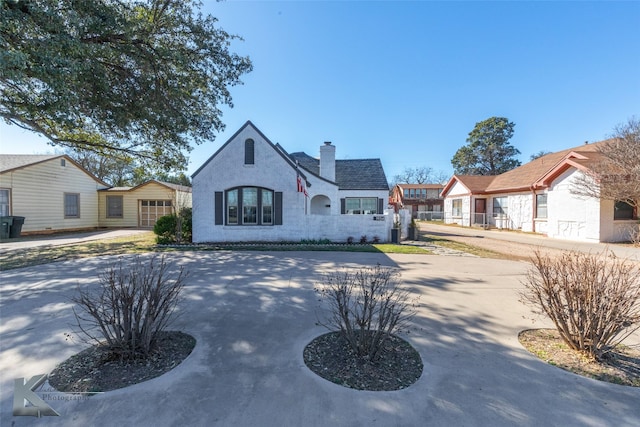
(151, 210)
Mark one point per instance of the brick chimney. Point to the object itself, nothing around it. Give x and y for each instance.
(328, 161)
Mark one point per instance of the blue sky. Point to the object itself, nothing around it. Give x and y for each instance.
(407, 81)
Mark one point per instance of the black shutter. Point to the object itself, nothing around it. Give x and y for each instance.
(380, 206)
(219, 208)
(277, 208)
(343, 208)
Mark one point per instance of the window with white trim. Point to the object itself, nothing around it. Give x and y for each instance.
(541, 206)
(361, 205)
(456, 207)
(500, 206)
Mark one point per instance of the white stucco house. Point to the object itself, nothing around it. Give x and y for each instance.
(253, 190)
(540, 197)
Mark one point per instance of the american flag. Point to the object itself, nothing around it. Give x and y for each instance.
(301, 187)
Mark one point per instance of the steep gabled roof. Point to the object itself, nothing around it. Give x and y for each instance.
(473, 183)
(9, 162)
(357, 174)
(278, 149)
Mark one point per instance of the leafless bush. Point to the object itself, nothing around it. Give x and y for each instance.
(593, 300)
(134, 303)
(366, 306)
(634, 235)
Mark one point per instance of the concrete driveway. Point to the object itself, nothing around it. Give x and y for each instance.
(41, 241)
(252, 314)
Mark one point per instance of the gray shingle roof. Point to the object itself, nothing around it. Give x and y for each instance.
(14, 161)
(357, 174)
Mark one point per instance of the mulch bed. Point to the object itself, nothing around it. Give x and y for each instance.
(621, 366)
(398, 366)
(97, 370)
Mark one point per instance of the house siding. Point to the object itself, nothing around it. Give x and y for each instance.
(572, 217)
(37, 193)
(131, 203)
(519, 212)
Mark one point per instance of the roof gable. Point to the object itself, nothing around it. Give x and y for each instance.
(169, 185)
(531, 174)
(12, 162)
(278, 149)
(473, 183)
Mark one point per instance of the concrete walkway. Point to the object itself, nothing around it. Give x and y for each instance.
(253, 313)
(530, 239)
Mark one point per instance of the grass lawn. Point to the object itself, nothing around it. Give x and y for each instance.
(145, 242)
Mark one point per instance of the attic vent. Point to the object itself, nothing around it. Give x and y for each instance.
(63, 162)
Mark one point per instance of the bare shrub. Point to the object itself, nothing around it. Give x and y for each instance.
(134, 303)
(593, 300)
(366, 307)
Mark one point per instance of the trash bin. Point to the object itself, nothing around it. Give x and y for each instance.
(16, 227)
(395, 235)
(5, 226)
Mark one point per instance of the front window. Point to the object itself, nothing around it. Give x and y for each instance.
(541, 206)
(4, 202)
(433, 193)
(71, 205)
(456, 207)
(232, 207)
(249, 206)
(267, 207)
(114, 206)
(406, 193)
(623, 210)
(499, 206)
(361, 206)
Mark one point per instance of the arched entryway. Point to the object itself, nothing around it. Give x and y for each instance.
(320, 205)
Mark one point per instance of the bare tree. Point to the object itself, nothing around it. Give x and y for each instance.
(366, 307)
(615, 173)
(135, 302)
(593, 300)
(420, 175)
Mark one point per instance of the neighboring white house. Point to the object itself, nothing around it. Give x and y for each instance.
(52, 192)
(253, 190)
(540, 197)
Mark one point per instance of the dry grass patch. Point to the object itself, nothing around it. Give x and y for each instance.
(621, 366)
